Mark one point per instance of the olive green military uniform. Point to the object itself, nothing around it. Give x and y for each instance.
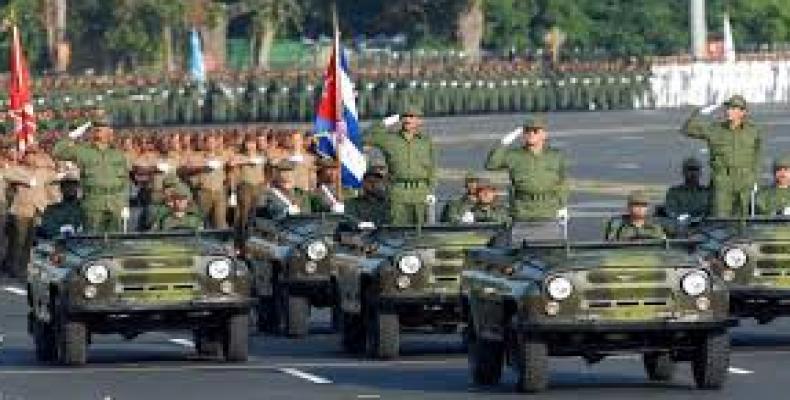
(412, 169)
(455, 209)
(774, 200)
(105, 182)
(368, 208)
(693, 201)
(61, 214)
(734, 160)
(539, 188)
(622, 228)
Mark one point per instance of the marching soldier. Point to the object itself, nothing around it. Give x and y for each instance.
(537, 173)
(636, 224)
(104, 176)
(734, 146)
(690, 199)
(411, 163)
(208, 170)
(775, 199)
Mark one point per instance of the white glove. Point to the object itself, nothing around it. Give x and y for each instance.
(233, 200)
(80, 130)
(391, 120)
(562, 214)
(468, 218)
(683, 218)
(125, 213)
(257, 160)
(708, 109)
(786, 211)
(339, 208)
(60, 175)
(366, 225)
(214, 164)
(293, 210)
(296, 158)
(32, 182)
(67, 230)
(430, 199)
(163, 167)
(512, 136)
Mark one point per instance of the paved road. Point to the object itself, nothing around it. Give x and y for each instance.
(611, 153)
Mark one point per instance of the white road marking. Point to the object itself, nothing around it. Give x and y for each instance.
(182, 342)
(304, 375)
(740, 371)
(627, 165)
(368, 396)
(15, 290)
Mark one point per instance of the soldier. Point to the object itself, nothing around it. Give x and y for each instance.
(248, 180)
(371, 205)
(455, 208)
(67, 213)
(325, 197)
(486, 208)
(208, 171)
(690, 199)
(734, 146)
(537, 173)
(104, 175)
(775, 199)
(636, 225)
(284, 198)
(179, 214)
(411, 163)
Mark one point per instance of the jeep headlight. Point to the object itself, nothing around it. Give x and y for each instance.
(735, 257)
(96, 274)
(559, 288)
(695, 283)
(409, 264)
(219, 269)
(317, 250)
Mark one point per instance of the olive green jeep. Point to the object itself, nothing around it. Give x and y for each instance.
(539, 299)
(132, 283)
(290, 262)
(401, 276)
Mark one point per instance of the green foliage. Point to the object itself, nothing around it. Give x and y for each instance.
(25, 14)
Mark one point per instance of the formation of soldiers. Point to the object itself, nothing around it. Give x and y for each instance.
(276, 96)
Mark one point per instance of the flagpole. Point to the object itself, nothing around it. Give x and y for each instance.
(338, 102)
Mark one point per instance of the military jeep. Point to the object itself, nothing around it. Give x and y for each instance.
(753, 258)
(132, 283)
(401, 276)
(289, 258)
(524, 304)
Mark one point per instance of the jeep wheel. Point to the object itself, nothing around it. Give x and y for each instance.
(485, 360)
(660, 367)
(72, 342)
(208, 343)
(297, 316)
(383, 335)
(236, 338)
(352, 333)
(44, 336)
(712, 361)
(532, 365)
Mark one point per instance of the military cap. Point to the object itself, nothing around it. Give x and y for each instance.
(471, 176)
(485, 183)
(70, 176)
(101, 121)
(182, 190)
(638, 197)
(412, 110)
(782, 162)
(284, 166)
(170, 181)
(373, 174)
(691, 163)
(327, 162)
(536, 122)
(736, 101)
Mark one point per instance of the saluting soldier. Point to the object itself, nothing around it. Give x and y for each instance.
(690, 199)
(104, 173)
(537, 172)
(636, 224)
(411, 163)
(734, 147)
(249, 179)
(208, 169)
(775, 199)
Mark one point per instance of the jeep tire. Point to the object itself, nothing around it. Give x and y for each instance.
(44, 337)
(236, 338)
(485, 360)
(352, 333)
(297, 314)
(660, 367)
(382, 335)
(712, 360)
(531, 364)
(72, 343)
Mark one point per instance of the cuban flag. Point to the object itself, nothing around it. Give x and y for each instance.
(337, 122)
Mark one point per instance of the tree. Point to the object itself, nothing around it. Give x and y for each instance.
(470, 28)
(269, 18)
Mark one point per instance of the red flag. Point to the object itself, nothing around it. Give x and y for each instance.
(20, 108)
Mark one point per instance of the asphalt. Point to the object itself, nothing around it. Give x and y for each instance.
(611, 153)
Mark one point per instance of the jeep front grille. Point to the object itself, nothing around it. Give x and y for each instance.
(775, 248)
(157, 278)
(626, 275)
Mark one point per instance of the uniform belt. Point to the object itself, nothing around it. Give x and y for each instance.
(732, 170)
(533, 196)
(410, 183)
(104, 190)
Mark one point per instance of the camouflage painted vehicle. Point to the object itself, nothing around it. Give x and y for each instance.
(753, 258)
(393, 277)
(131, 283)
(289, 259)
(527, 303)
